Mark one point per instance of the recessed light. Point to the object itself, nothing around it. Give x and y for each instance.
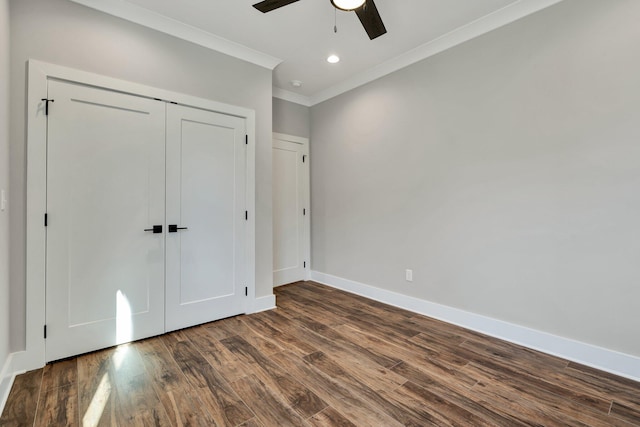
(333, 59)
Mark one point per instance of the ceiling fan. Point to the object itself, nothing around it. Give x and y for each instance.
(365, 9)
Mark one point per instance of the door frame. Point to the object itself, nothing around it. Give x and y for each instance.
(307, 195)
(33, 357)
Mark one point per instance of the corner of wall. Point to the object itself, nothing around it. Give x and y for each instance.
(6, 375)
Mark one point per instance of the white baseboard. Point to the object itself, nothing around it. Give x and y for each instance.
(7, 375)
(617, 363)
(263, 304)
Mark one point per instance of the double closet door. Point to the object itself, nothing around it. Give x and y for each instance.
(145, 220)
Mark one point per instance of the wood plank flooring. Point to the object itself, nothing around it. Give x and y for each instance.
(323, 358)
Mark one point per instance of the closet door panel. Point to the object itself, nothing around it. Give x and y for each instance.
(105, 186)
(206, 257)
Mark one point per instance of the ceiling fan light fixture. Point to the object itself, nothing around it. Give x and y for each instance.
(347, 5)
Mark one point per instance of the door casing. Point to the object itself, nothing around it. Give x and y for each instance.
(33, 357)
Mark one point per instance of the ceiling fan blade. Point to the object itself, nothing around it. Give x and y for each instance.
(269, 5)
(371, 20)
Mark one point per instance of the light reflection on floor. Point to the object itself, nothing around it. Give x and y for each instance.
(124, 334)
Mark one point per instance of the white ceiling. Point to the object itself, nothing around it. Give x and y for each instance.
(299, 37)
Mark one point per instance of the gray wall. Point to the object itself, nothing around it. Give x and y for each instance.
(505, 172)
(65, 33)
(290, 118)
(4, 181)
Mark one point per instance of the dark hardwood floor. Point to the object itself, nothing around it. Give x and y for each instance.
(323, 358)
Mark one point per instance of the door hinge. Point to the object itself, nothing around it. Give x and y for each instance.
(304, 156)
(304, 264)
(304, 211)
(246, 215)
(46, 105)
(246, 291)
(45, 332)
(246, 139)
(46, 219)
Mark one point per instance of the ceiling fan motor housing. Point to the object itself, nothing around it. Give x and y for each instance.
(348, 5)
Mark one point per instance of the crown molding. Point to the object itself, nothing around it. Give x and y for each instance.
(485, 24)
(291, 96)
(156, 21)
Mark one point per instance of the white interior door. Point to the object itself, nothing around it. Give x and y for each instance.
(290, 209)
(105, 186)
(206, 255)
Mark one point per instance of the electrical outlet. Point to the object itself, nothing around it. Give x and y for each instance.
(408, 275)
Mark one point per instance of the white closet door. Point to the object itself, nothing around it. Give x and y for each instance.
(105, 186)
(206, 256)
(290, 210)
